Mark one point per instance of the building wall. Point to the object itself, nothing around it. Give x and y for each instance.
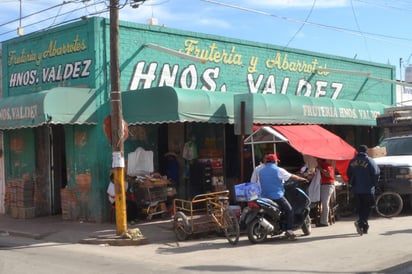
(242, 66)
(59, 57)
(78, 55)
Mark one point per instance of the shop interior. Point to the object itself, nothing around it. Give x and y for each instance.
(194, 158)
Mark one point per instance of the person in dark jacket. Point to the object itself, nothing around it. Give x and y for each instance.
(363, 174)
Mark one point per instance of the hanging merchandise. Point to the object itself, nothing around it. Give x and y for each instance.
(190, 151)
(314, 188)
(140, 162)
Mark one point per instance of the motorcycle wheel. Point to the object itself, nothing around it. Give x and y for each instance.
(256, 232)
(231, 226)
(181, 226)
(307, 226)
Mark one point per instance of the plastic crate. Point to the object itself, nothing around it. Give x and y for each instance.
(247, 192)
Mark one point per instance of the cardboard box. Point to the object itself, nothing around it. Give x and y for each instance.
(376, 152)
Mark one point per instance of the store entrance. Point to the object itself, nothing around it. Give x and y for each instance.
(58, 169)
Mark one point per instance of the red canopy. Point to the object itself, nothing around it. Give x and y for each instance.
(316, 141)
(312, 140)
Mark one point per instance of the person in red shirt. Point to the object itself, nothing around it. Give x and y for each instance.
(327, 187)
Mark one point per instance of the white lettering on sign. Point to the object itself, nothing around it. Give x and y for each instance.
(78, 69)
(21, 79)
(338, 112)
(319, 111)
(188, 80)
(303, 87)
(186, 77)
(18, 113)
(146, 76)
(58, 73)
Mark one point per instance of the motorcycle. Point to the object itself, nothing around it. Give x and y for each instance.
(262, 217)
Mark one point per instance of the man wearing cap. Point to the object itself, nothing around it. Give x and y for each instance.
(255, 174)
(272, 179)
(363, 175)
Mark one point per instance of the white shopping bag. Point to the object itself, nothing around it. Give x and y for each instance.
(314, 187)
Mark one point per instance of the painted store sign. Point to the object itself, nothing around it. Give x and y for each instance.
(19, 113)
(145, 75)
(55, 62)
(149, 74)
(250, 68)
(229, 65)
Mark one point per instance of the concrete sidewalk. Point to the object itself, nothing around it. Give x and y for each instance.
(53, 228)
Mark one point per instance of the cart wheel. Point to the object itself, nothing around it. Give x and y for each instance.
(344, 204)
(231, 226)
(307, 226)
(389, 204)
(181, 226)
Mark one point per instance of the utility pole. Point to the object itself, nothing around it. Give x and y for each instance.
(117, 121)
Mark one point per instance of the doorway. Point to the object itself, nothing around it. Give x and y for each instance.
(58, 167)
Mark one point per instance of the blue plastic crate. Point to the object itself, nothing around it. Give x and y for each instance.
(247, 192)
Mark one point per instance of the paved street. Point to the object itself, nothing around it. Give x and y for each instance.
(336, 249)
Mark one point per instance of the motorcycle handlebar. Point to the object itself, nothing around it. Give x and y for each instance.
(292, 183)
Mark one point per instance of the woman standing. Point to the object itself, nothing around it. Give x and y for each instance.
(327, 187)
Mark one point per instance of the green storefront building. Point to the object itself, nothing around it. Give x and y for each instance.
(180, 90)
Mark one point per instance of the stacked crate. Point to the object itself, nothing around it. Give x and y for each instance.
(68, 200)
(20, 199)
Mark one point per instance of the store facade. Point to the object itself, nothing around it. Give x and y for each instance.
(181, 94)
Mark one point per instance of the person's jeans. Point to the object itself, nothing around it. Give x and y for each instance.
(326, 191)
(364, 203)
(287, 208)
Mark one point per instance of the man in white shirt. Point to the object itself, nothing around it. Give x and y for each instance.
(131, 206)
(255, 174)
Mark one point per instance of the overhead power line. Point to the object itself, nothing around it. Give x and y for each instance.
(402, 5)
(374, 36)
(301, 26)
(32, 14)
(54, 17)
(358, 27)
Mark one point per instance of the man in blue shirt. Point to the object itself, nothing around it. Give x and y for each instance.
(272, 179)
(363, 174)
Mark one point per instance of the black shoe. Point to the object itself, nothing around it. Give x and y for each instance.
(322, 225)
(291, 236)
(358, 228)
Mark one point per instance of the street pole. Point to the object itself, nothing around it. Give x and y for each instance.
(117, 121)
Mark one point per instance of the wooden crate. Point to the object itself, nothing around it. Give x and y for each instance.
(26, 212)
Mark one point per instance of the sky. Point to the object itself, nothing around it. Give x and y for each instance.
(371, 30)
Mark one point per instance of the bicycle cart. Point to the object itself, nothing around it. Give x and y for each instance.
(205, 213)
(387, 203)
(151, 196)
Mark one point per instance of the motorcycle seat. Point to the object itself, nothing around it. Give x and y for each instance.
(269, 201)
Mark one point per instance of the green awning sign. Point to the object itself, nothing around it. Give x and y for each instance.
(55, 106)
(169, 105)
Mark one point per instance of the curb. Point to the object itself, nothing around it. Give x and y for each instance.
(115, 241)
(34, 236)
